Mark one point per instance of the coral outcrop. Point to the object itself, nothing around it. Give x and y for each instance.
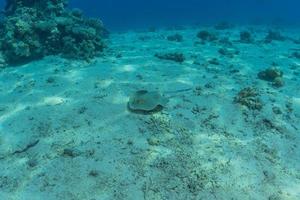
(207, 36)
(273, 75)
(246, 37)
(32, 29)
(249, 97)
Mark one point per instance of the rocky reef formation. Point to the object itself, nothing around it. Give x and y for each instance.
(273, 75)
(32, 29)
(207, 36)
(249, 97)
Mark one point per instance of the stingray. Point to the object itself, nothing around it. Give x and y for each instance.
(147, 102)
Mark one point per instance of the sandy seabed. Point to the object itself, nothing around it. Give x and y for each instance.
(66, 132)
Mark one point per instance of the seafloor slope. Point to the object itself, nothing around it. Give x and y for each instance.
(66, 133)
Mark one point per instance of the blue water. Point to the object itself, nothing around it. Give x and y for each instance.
(120, 14)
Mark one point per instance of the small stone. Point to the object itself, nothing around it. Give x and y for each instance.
(276, 110)
(50, 80)
(130, 142)
(153, 141)
(82, 110)
(93, 173)
(32, 163)
(176, 57)
(214, 61)
(71, 153)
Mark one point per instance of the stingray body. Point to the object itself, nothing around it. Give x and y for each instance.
(146, 102)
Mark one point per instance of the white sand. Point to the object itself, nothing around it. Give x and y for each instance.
(201, 146)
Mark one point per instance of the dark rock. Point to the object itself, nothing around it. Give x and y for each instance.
(246, 37)
(50, 80)
(175, 38)
(153, 141)
(228, 52)
(214, 61)
(176, 57)
(71, 153)
(93, 173)
(270, 74)
(32, 163)
(207, 36)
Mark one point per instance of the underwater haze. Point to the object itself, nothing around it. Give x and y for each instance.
(122, 15)
(150, 100)
(118, 14)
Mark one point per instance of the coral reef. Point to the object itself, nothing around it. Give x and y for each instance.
(176, 57)
(273, 75)
(249, 97)
(33, 29)
(207, 36)
(246, 37)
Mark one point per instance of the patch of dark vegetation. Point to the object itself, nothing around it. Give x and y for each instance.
(249, 97)
(176, 57)
(33, 29)
(207, 36)
(175, 38)
(273, 75)
(246, 37)
(274, 36)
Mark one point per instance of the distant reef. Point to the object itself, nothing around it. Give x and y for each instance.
(32, 29)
